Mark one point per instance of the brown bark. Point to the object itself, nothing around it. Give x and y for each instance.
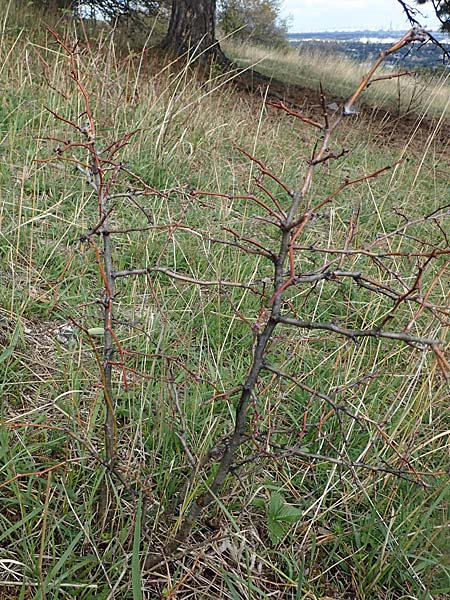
(192, 31)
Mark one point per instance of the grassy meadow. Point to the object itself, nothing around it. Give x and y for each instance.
(300, 518)
(415, 93)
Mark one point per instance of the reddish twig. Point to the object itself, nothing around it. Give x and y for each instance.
(295, 113)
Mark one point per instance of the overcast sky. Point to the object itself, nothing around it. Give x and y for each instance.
(322, 15)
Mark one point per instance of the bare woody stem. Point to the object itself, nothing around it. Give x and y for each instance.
(108, 347)
(95, 173)
(106, 268)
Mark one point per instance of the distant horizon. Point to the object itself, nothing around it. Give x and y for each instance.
(362, 30)
(314, 16)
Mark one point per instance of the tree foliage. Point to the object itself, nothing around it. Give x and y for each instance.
(255, 20)
(53, 4)
(442, 10)
(108, 9)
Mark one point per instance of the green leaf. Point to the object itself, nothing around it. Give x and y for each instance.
(289, 514)
(275, 530)
(276, 503)
(280, 512)
(96, 331)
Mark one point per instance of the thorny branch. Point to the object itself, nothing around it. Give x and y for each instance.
(101, 171)
(291, 224)
(96, 177)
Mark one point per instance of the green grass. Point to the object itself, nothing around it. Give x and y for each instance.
(417, 93)
(344, 533)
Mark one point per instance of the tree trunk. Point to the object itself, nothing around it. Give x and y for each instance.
(192, 31)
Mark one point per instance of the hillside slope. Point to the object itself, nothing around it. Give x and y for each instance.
(340, 486)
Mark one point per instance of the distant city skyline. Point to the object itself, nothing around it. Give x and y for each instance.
(323, 15)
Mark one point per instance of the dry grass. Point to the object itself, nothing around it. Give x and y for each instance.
(420, 94)
(356, 534)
